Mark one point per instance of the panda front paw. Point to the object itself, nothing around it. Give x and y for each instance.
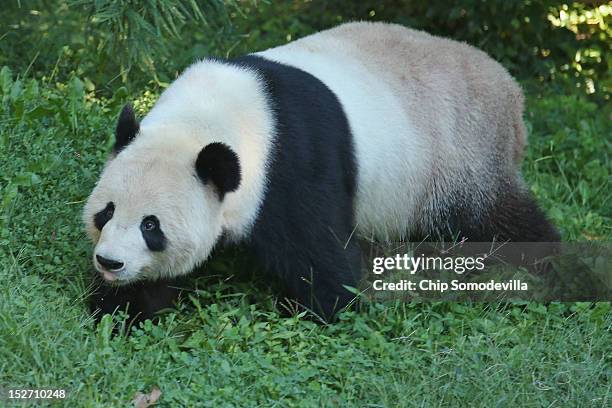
(139, 302)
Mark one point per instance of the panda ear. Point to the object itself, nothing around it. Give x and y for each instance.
(127, 128)
(217, 163)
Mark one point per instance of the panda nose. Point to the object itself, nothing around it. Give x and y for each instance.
(109, 264)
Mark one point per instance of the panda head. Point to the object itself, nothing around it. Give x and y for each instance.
(157, 209)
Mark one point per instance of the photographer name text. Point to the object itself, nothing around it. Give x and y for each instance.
(429, 285)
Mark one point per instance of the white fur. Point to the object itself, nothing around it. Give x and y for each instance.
(155, 174)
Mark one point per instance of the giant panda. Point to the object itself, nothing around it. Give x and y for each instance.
(365, 129)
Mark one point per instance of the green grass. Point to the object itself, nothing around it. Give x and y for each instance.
(227, 345)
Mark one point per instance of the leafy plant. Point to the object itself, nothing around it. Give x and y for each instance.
(131, 33)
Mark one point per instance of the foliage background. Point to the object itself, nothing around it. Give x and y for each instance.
(104, 40)
(68, 67)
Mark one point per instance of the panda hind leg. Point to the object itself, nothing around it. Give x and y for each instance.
(516, 217)
(524, 236)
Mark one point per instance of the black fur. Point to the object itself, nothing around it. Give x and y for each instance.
(140, 300)
(155, 238)
(303, 233)
(517, 217)
(219, 164)
(104, 216)
(127, 128)
(514, 216)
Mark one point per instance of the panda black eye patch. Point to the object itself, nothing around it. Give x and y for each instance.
(152, 233)
(104, 216)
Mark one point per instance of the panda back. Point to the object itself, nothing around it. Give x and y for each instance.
(435, 123)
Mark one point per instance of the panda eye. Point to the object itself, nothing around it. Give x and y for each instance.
(110, 211)
(153, 234)
(148, 225)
